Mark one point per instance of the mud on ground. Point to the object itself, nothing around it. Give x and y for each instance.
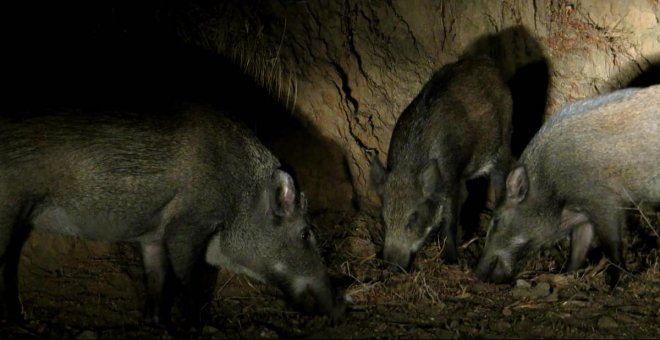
(88, 290)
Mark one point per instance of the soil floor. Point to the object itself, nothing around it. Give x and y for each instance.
(93, 290)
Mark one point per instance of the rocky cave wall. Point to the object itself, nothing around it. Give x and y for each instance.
(347, 69)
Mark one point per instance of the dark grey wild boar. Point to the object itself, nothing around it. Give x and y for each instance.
(188, 186)
(576, 177)
(457, 128)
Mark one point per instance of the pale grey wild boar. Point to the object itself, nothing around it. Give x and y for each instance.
(189, 186)
(586, 165)
(457, 128)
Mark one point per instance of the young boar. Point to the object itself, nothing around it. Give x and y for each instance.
(189, 186)
(457, 128)
(576, 177)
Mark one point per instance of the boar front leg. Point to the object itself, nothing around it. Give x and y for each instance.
(450, 221)
(186, 247)
(575, 220)
(156, 271)
(581, 237)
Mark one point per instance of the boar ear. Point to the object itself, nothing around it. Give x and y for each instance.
(378, 172)
(284, 198)
(517, 184)
(429, 179)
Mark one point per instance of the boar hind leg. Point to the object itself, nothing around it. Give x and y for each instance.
(156, 271)
(12, 239)
(186, 252)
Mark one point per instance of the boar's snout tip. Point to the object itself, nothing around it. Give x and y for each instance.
(493, 270)
(318, 298)
(484, 269)
(397, 260)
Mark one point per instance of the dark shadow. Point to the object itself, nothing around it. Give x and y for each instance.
(474, 204)
(107, 56)
(525, 68)
(649, 77)
(529, 86)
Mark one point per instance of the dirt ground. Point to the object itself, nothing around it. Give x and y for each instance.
(93, 290)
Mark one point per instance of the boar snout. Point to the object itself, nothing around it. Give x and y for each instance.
(398, 259)
(494, 269)
(316, 296)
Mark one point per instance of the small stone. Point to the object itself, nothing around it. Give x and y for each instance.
(607, 321)
(268, 333)
(520, 283)
(501, 326)
(541, 290)
(209, 330)
(348, 298)
(525, 290)
(554, 296)
(87, 335)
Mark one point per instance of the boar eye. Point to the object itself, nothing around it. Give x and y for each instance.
(413, 220)
(305, 234)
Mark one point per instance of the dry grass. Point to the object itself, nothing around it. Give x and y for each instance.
(440, 291)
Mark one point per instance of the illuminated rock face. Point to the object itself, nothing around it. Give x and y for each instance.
(349, 68)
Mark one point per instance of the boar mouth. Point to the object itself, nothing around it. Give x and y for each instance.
(397, 259)
(312, 296)
(494, 271)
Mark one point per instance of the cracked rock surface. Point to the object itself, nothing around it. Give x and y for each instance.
(351, 67)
